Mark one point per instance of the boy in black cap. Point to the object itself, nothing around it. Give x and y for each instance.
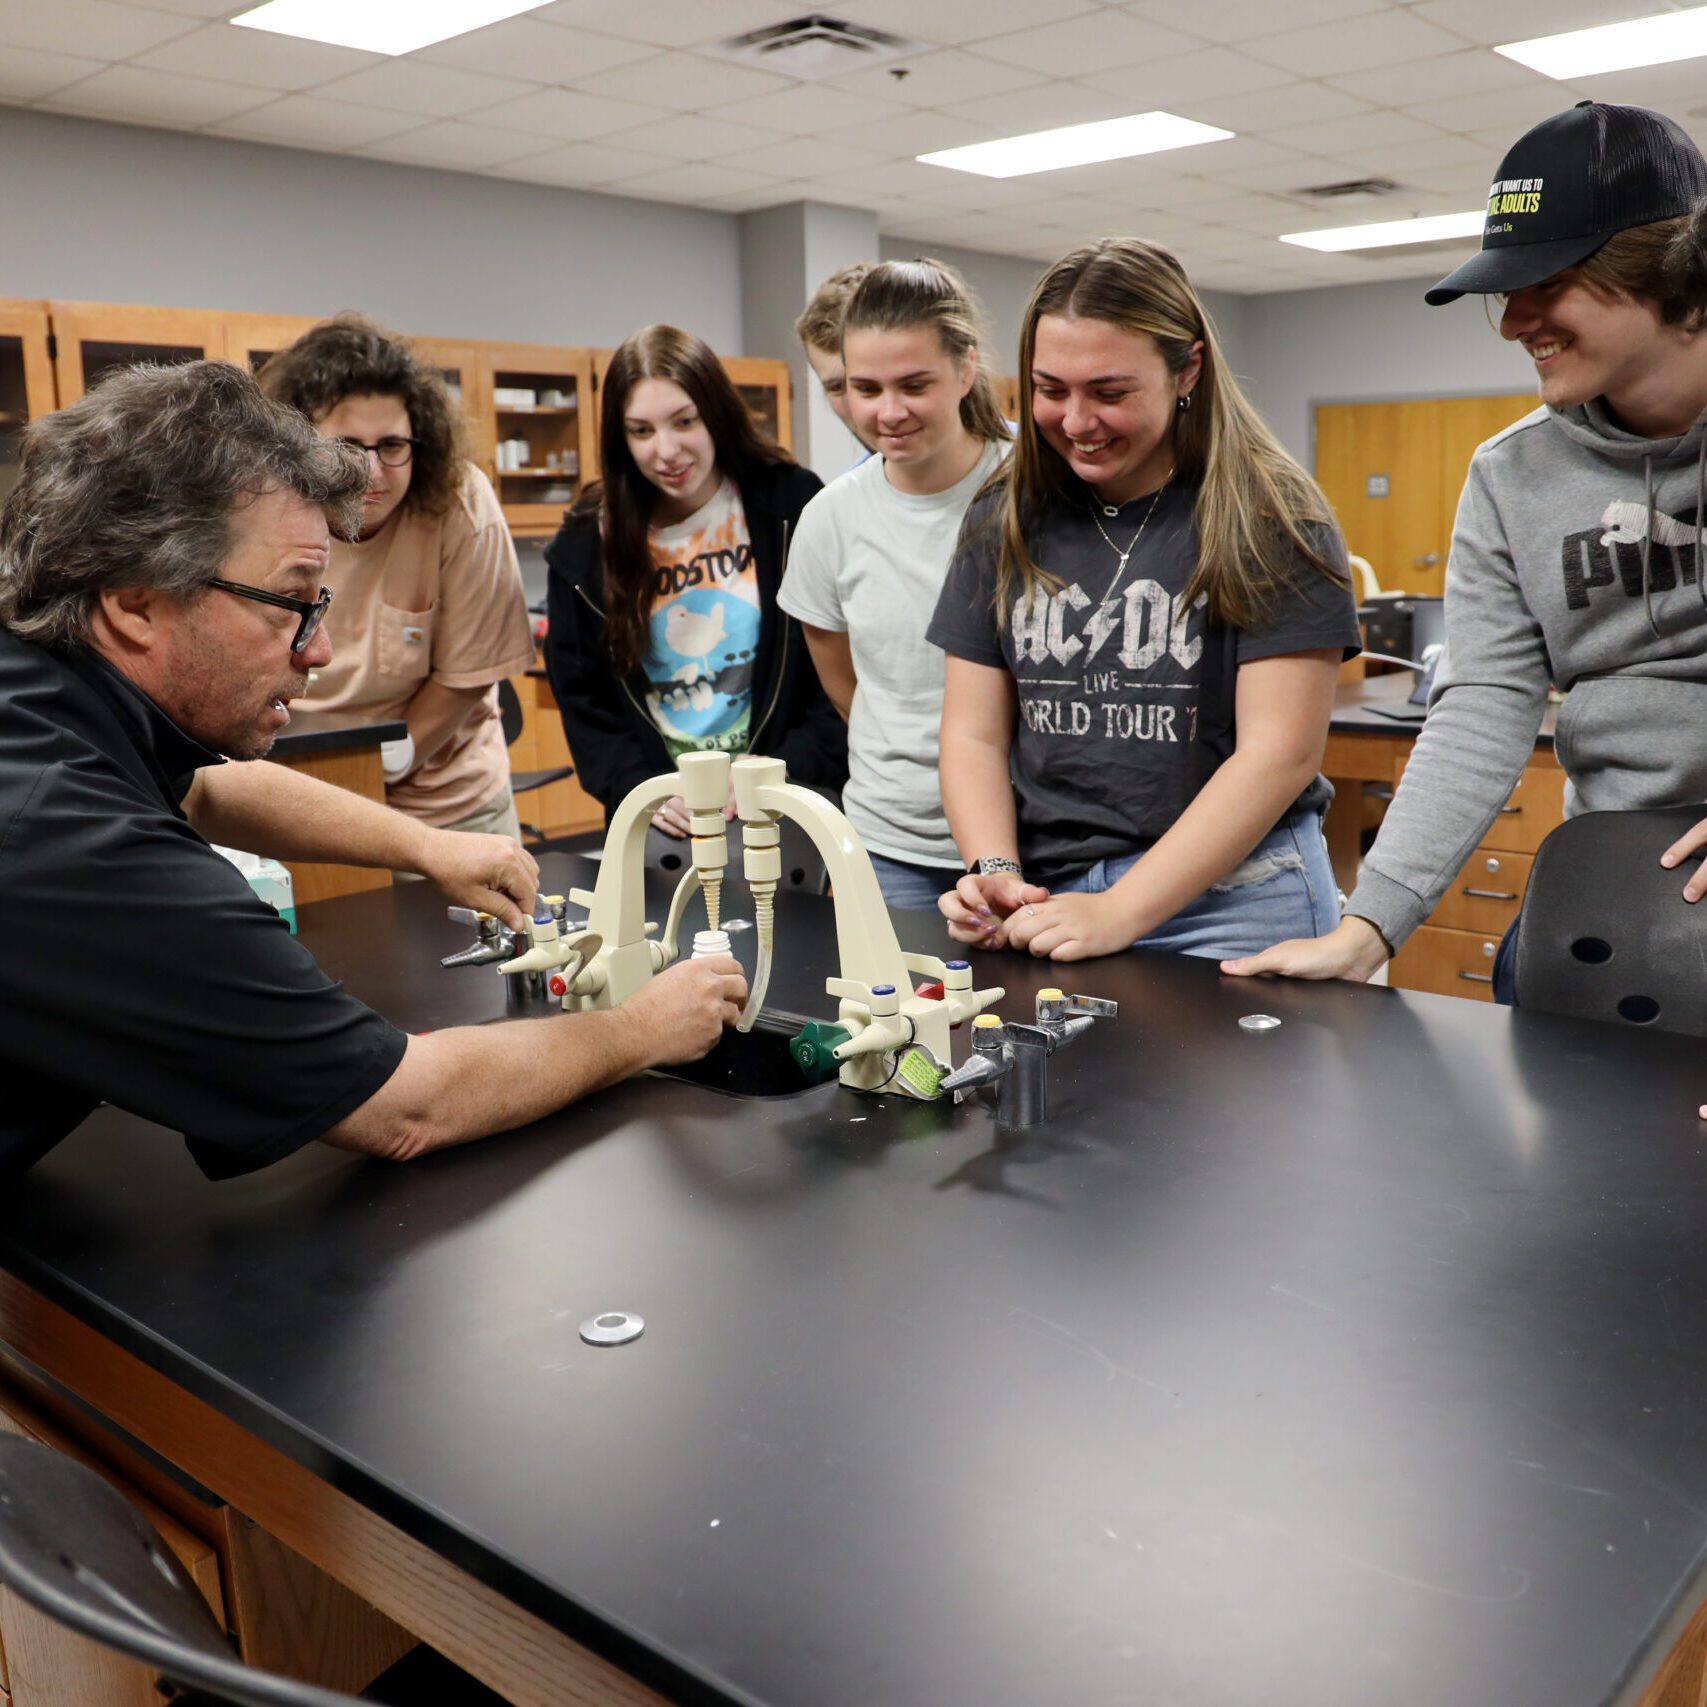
(1576, 552)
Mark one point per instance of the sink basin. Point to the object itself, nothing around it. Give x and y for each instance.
(751, 1064)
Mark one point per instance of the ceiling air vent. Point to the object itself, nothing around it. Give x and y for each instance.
(1352, 190)
(813, 46)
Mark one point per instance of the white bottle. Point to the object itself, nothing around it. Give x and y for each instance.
(711, 945)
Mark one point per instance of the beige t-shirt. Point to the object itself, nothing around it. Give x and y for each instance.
(431, 598)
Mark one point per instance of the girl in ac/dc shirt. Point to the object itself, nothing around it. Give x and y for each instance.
(665, 635)
(1144, 622)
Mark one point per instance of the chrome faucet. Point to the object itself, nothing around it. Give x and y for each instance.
(1015, 1057)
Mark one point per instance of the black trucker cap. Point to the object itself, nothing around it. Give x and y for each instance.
(1573, 181)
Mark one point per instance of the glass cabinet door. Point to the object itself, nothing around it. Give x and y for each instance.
(93, 339)
(26, 381)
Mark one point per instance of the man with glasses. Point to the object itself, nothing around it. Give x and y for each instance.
(163, 569)
(430, 614)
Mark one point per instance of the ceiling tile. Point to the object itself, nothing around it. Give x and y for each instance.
(936, 79)
(917, 133)
(1274, 109)
(1336, 136)
(1510, 111)
(901, 178)
(957, 22)
(1237, 20)
(966, 189)
(1092, 42)
(1516, 20)
(255, 57)
(800, 156)
(671, 23)
(693, 136)
(1438, 151)
(199, 8)
(454, 144)
(1046, 106)
(413, 86)
(26, 75)
(816, 190)
(685, 82)
(544, 53)
(1207, 73)
(91, 29)
(1353, 44)
(1679, 90)
(1470, 72)
(806, 108)
(305, 121)
(583, 165)
(695, 182)
(571, 116)
(156, 97)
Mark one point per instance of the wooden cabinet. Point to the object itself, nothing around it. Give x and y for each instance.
(26, 380)
(767, 391)
(544, 429)
(560, 808)
(92, 338)
(1453, 954)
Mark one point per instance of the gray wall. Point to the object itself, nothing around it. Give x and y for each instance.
(118, 213)
(1368, 342)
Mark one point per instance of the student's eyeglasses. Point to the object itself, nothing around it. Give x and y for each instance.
(309, 613)
(392, 453)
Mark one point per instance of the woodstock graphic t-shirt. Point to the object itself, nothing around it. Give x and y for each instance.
(705, 628)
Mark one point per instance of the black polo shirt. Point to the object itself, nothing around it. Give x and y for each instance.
(137, 967)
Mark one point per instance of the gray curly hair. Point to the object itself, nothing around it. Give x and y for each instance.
(134, 485)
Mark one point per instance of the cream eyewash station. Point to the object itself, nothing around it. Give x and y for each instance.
(888, 1036)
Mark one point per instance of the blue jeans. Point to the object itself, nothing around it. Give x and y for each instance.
(1284, 889)
(1505, 967)
(905, 884)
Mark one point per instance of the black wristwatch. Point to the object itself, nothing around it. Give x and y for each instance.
(995, 867)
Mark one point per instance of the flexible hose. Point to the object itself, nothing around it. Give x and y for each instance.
(763, 917)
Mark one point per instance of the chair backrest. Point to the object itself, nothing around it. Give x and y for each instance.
(1605, 932)
(510, 711)
(1365, 582)
(73, 1547)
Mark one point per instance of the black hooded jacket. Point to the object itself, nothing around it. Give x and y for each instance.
(612, 740)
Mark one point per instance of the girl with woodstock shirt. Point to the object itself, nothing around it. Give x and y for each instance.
(665, 636)
(1144, 623)
(1577, 549)
(874, 547)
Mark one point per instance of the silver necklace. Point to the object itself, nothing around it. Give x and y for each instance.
(1126, 555)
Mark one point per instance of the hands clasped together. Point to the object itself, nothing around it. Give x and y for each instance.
(1004, 911)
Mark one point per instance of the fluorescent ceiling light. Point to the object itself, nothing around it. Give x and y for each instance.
(380, 26)
(1436, 228)
(1614, 47)
(1075, 145)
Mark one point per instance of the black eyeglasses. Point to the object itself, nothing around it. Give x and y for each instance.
(308, 612)
(392, 453)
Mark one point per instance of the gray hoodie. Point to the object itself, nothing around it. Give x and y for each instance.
(1574, 561)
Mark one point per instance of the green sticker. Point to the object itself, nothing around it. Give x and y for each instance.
(922, 1075)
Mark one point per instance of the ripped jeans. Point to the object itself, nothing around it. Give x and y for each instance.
(1284, 889)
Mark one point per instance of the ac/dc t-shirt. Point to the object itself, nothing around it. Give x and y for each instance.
(1125, 692)
(705, 628)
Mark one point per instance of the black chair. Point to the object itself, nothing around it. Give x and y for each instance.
(524, 782)
(1605, 932)
(74, 1548)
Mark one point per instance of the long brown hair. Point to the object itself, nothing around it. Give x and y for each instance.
(1257, 510)
(624, 500)
(349, 356)
(898, 295)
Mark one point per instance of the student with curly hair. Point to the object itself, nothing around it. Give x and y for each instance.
(429, 614)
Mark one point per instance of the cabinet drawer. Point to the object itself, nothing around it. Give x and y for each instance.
(1447, 962)
(1486, 894)
(1536, 806)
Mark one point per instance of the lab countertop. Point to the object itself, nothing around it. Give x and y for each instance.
(330, 731)
(1379, 705)
(1358, 1360)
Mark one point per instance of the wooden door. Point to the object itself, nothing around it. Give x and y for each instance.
(26, 380)
(1393, 473)
(92, 338)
